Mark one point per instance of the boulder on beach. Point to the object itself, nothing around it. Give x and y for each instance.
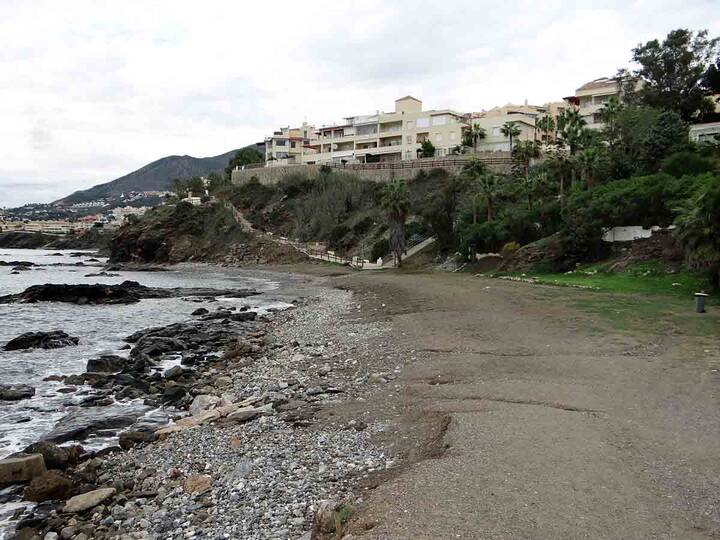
(107, 363)
(132, 437)
(41, 340)
(80, 424)
(52, 485)
(85, 501)
(15, 392)
(21, 468)
(55, 457)
(203, 402)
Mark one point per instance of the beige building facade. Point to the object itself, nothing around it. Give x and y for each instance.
(524, 117)
(591, 97)
(287, 145)
(382, 137)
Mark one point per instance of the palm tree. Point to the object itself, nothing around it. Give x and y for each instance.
(396, 203)
(547, 125)
(589, 160)
(474, 134)
(489, 185)
(698, 229)
(510, 130)
(473, 170)
(526, 151)
(573, 130)
(559, 164)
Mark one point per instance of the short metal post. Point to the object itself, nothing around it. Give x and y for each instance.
(700, 302)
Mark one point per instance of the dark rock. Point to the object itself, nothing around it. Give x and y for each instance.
(157, 345)
(15, 392)
(173, 394)
(127, 292)
(130, 438)
(226, 314)
(175, 372)
(108, 363)
(24, 264)
(84, 422)
(53, 485)
(200, 311)
(41, 340)
(55, 457)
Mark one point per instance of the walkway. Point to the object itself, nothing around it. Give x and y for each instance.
(314, 253)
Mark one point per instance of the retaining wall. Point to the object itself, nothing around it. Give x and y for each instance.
(376, 172)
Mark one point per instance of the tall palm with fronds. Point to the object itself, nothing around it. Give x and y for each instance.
(473, 170)
(489, 186)
(698, 229)
(526, 151)
(475, 134)
(559, 164)
(573, 130)
(589, 159)
(396, 203)
(546, 124)
(511, 131)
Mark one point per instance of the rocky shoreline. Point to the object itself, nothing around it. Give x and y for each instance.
(245, 456)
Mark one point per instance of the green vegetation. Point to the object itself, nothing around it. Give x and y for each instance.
(648, 314)
(427, 148)
(651, 277)
(396, 202)
(244, 156)
(675, 74)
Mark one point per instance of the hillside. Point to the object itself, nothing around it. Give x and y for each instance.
(155, 176)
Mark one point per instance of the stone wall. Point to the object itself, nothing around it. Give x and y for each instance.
(376, 172)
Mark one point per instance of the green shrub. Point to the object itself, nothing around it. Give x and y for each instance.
(509, 248)
(682, 163)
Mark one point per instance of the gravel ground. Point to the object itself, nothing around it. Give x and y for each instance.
(263, 478)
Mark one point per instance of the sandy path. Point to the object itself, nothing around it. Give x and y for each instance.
(541, 427)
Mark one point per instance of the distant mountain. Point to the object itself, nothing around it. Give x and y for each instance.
(155, 176)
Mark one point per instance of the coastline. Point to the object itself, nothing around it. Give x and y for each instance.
(283, 461)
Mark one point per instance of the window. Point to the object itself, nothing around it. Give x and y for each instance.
(410, 124)
(280, 142)
(293, 144)
(423, 122)
(408, 139)
(439, 120)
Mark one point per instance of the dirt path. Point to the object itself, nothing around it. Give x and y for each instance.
(521, 421)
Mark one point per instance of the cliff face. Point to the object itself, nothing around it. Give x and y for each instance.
(186, 233)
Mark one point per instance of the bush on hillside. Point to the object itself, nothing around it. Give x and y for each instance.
(683, 163)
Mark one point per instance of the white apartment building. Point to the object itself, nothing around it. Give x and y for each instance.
(708, 133)
(288, 145)
(591, 97)
(385, 137)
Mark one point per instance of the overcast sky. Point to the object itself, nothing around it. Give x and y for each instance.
(91, 90)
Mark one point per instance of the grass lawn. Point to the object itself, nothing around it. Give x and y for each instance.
(644, 298)
(648, 278)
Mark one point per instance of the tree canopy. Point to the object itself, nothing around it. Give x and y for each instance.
(672, 74)
(244, 156)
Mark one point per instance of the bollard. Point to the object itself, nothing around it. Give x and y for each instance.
(700, 302)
